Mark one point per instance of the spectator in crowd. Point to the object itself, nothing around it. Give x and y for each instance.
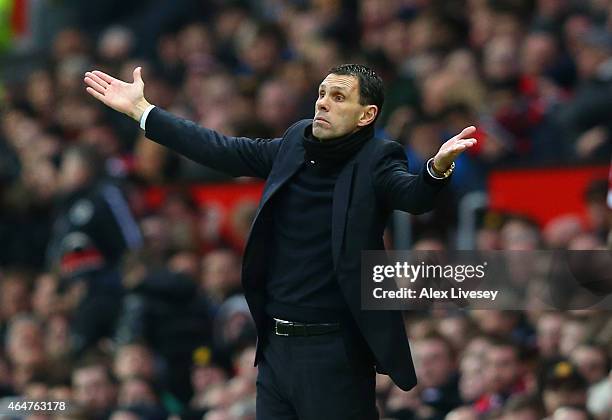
(549, 334)
(592, 362)
(25, 349)
(220, 276)
(436, 367)
(134, 359)
(574, 332)
(88, 291)
(206, 374)
(563, 385)
(233, 328)
(96, 210)
(44, 296)
(519, 234)
(502, 373)
(141, 394)
(584, 120)
(163, 309)
(58, 344)
(94, 387)
(472, 381)
(14, 291)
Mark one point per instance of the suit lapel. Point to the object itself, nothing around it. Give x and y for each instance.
(291, 160)
(342, 195)
(288, 166)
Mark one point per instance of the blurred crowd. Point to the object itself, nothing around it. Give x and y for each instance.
(134, 311)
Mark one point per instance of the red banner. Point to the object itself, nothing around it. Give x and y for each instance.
(542, 194)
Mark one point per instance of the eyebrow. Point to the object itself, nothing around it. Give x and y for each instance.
(340, 88)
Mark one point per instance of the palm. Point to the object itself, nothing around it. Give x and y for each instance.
(451, 149)
(117, 94)
(121, 95)
(454, 147)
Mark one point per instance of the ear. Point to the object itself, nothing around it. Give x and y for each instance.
(369, 114)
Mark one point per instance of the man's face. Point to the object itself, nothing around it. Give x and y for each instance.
(501, 368)
(435, 365)
(591, 363)
(471, 381)
(93, 389)
(73, 173)
(549, 333)
(134, 360)
(25, 346)
(338, 111)
(13, 297)
(220, 272)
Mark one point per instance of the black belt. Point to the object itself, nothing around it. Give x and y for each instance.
(299, 329)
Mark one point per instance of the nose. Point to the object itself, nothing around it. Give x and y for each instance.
(322, 104)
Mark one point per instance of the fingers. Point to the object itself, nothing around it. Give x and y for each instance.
(459, 148)
(105, 77)
(470, 142)
(94, 84)
(455, 141)
(95, 93)
(462, 145)
(467, 131)
(455, 146)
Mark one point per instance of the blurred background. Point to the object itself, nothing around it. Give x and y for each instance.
(120, 261)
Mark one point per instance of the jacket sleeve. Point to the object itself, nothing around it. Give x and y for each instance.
(236, 156)
(399, 189)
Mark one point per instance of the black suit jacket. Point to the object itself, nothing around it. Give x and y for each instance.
(372, 183)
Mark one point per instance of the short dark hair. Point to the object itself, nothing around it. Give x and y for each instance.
(498, 341)
(440, 338)
(95, 359)
(371, 88)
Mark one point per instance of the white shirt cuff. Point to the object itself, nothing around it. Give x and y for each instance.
(431, 172)
(143, 119)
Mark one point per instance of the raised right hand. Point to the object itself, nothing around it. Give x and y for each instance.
(127, 98)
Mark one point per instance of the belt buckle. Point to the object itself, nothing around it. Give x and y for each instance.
(280, 321)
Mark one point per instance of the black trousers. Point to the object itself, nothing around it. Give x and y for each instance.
(314, 378)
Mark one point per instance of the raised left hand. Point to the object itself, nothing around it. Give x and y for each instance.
(454, 147)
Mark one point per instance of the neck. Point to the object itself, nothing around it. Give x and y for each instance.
(336, 149)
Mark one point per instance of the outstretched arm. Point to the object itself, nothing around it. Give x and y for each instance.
(238, 156)
(401, 190)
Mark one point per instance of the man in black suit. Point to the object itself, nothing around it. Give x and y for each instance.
(330, 186)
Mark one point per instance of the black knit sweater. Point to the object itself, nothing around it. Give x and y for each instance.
(301, 284)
